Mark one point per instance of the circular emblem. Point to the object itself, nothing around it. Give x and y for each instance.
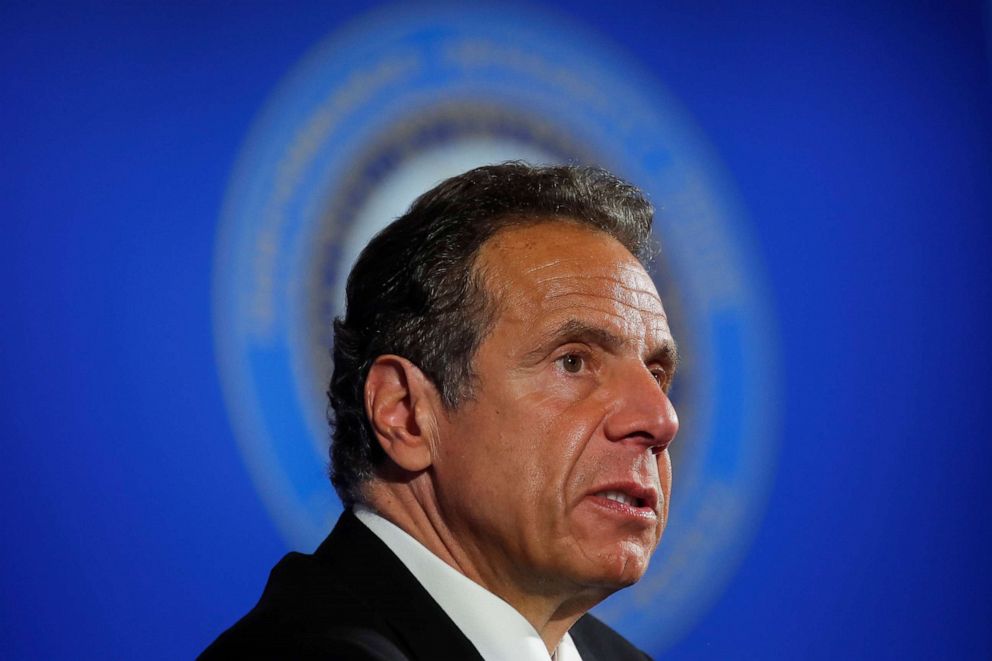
(380, 113)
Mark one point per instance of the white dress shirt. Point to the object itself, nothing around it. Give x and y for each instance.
(493, 626)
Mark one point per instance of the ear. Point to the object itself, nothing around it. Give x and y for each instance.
(400, 402)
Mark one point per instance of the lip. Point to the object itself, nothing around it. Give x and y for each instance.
(646, 496)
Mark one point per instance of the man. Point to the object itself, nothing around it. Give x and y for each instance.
(501, 431)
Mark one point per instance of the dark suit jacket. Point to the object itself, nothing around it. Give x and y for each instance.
(354, 600)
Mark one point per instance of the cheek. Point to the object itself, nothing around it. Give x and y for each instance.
(544, 443)
(502, 451)
(526, 444)
(571, 425)
(665, 477)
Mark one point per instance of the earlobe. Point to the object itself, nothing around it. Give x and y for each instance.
(400, 406)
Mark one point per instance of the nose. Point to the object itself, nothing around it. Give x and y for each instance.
(641, 412)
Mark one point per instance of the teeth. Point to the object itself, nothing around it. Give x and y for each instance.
(619, 497)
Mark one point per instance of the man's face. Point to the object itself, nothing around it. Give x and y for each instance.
(569, 417)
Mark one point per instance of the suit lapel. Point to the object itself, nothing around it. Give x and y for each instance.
(373, 573)
(597, 642)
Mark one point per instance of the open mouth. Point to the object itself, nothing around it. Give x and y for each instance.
(623, 498)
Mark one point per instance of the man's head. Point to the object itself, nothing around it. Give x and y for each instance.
(505, 353)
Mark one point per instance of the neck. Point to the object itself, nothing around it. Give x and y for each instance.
(551, 607)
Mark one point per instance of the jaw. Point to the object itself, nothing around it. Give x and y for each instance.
(615, 566)
(615, 547)
(627, 564)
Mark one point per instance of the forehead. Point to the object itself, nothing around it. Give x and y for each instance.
(556, 271)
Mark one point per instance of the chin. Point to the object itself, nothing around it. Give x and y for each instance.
(619, 567)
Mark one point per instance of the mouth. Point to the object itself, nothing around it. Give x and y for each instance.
(628, 499)
(621, 497)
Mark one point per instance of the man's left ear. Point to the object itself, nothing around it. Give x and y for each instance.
(401, 403)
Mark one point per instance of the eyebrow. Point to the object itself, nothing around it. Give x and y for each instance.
(575, 330)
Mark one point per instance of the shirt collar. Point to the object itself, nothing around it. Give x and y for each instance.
(496, 629)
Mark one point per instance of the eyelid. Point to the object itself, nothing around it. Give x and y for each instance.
(575, 349)
(666, 376)
(572, 349)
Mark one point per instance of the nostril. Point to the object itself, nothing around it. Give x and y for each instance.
(660, 447)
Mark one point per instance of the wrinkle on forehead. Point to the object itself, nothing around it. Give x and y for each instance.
(619, 282)
(650, 319)
(570, 266)
(630, 291)
(636, 268)
(645, 301)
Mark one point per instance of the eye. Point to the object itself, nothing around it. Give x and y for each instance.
(572, 363)
(661, 377)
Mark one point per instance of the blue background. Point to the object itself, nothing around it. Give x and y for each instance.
(859, 135)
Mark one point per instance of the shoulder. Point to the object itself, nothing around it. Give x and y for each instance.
(351, 599)
(596, 640)
(305, 611)
(338, 643)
